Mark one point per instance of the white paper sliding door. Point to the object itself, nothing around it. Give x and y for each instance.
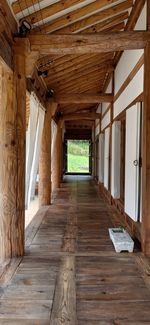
(30, 142)
(106, 158)
(115, 165)
(133, 116)
(101, 158)
(35, 162)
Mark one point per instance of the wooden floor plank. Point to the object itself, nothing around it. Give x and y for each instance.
(70, 273)
(64, 305)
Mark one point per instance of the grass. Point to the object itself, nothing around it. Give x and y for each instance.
(78, 156)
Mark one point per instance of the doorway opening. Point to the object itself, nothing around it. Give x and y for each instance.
(78, 158)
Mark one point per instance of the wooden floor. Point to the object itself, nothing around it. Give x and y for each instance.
(70, 273)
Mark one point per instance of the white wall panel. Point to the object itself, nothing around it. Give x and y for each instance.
(132, 161)
(106, 158)
(115, 163)
(125, 66)
(108, 90)
(37, 147)
(30, 143)
(97, 130)
(141, 23)
(134, 89)
(105, 120)
(101, 158)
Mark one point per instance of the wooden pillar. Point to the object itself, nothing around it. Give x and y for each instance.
(145, 236)
(58, 156)
(12, 162)
(57, 159)
(45, 161)
(20, 104)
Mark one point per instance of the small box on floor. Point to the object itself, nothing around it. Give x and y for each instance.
(121, 240)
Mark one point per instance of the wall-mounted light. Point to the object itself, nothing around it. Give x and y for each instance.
(50, 93)
(43, 74)
(24, 28)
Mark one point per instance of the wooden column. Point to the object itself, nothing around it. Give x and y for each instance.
(146, 157)
(20, 104)
(58, 156)
(12, 162)
(57, 159)
(45, 161)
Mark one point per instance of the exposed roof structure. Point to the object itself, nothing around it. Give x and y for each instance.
(85, 73)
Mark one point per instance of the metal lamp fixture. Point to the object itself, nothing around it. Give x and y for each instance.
(24, 28)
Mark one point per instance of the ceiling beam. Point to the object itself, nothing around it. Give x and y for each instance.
(81, 116)
(83, 98)
(87, 43)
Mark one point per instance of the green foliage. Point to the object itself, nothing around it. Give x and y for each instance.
(78, 147)
(78, 156)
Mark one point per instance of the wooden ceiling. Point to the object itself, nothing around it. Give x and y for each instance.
(78, 74)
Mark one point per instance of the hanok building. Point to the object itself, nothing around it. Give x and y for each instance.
(74, 70)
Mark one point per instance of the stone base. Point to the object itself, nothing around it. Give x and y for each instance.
(121, 240)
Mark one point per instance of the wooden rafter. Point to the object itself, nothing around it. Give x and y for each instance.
(107, 23)
(79, 73)
(51, 10)
(72, 18)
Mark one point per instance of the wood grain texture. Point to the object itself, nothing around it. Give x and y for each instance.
(57, 159)
(85, 43)
(64, 305)
(81, 98)
(45, 161)
(79, 19)
(70, 273)
(20, 104)
(8, 165)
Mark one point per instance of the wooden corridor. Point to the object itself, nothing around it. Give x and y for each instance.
(70, 273)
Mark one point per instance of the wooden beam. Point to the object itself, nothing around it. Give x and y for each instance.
(86, 43)
(81, 116)
(83, 98)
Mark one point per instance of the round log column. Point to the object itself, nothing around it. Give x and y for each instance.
(57, 159)
(20, 102)
(59, 156)
(45, 161)
(12, 162)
